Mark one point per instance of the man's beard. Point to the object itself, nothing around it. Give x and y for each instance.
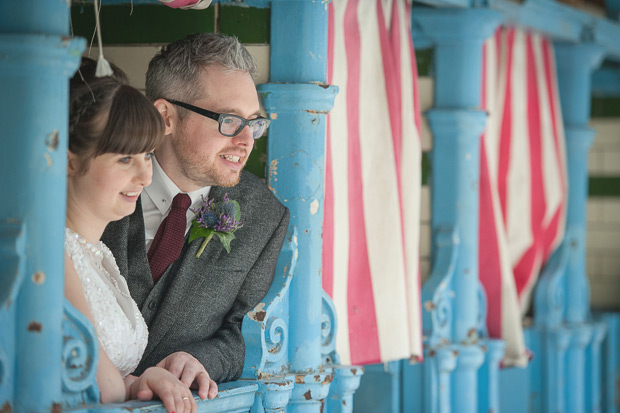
(194, 168)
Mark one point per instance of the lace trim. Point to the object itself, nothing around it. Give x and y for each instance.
(121, 330)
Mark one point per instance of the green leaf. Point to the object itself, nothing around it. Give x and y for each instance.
(225, 239)
(198, 232)
(237, 211)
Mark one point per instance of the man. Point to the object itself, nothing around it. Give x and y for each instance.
(202, 86)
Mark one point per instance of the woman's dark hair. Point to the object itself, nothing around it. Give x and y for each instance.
(106, 115)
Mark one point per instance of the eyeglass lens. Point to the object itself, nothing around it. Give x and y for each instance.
(232, 125)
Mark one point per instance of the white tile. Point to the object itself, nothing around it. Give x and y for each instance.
(611, 211)
(425, 211)
(606, 296)
(134, 60)
(425, 240)
(607, 131)
(425, 269)
(611, 163)
(595, 162)
(594, 210)
(607, 239)
(593, 264)
(610, 267)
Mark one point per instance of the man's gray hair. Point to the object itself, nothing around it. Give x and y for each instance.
(174, 72)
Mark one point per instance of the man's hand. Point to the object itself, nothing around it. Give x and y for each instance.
(191, 372)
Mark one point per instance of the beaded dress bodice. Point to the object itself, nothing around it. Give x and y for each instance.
(120, 328)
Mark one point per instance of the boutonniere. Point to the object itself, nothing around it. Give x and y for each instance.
(215, 218)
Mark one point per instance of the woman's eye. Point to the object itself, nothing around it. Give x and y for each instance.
(125, 159)
(149, 156)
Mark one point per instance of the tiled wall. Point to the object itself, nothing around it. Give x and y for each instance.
(603, 239)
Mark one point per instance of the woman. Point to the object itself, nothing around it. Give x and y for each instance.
(113, 130)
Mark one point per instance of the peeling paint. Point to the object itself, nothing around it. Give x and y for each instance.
(38, 277)
(51, 141)
(312, 55)
(56, 408)
(317, 112)
(299, 379)
(258, 313)
(314, 207)
(273, 116)
(6, 408)
(429, 305)
(308, 395)
(35, 327)
(48, 158)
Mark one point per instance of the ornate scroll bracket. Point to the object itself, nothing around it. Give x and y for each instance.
(436, 293)
(550, 297)
(80, 354)
(265, 328)
(12, 262)
(329, 327)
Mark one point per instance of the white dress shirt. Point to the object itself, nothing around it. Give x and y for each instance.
(157, 199)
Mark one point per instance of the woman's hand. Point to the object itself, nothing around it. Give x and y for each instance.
(156, 381)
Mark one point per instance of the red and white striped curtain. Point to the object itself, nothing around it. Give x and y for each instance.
(523, 178)
(373, 182)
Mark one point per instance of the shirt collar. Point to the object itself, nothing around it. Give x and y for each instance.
(162, 190)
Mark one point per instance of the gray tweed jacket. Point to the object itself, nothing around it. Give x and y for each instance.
(198, 304)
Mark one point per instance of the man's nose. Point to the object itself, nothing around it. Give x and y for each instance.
(245, 137)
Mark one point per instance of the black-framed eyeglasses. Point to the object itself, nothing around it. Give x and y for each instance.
(230, 125)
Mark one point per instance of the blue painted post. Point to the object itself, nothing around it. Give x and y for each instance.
(37, 60)
(575, 65)
(297, 100)
(594, 390)
(457, 124)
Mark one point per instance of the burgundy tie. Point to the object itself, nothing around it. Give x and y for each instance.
(168, 242)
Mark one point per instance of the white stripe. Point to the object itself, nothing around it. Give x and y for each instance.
(518, 197)
(411, 159)
(381, 207)
(339, 152)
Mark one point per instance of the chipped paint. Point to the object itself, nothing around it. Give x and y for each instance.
(273, 116)
(38, 277)
(48, 158)
(51, 141)
(35, 327)
(56, 408)
(317, 112)
(312, 55)
(308, 395)
(314, 207)
(258, 313)
(6, 408)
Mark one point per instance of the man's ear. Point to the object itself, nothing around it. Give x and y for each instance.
(168, 113)
(72, 164)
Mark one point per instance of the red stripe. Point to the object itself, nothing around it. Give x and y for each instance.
(490, 269)
(390, 53)
(328, 202)
(527, 265)
(506, 132)
(363, 333)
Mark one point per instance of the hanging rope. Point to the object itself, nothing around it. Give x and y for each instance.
(103, 67)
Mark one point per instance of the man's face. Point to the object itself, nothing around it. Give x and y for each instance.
(196, 154)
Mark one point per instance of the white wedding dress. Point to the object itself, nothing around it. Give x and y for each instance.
(120, 328)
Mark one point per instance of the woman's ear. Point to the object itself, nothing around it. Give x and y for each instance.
(168, 113)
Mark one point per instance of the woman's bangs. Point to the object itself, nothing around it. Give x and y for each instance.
(134, 125)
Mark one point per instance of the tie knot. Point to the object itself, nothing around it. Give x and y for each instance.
(181, 201)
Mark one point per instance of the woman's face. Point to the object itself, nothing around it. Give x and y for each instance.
(111, 185)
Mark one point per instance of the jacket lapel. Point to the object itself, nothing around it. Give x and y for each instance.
(173, 290)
